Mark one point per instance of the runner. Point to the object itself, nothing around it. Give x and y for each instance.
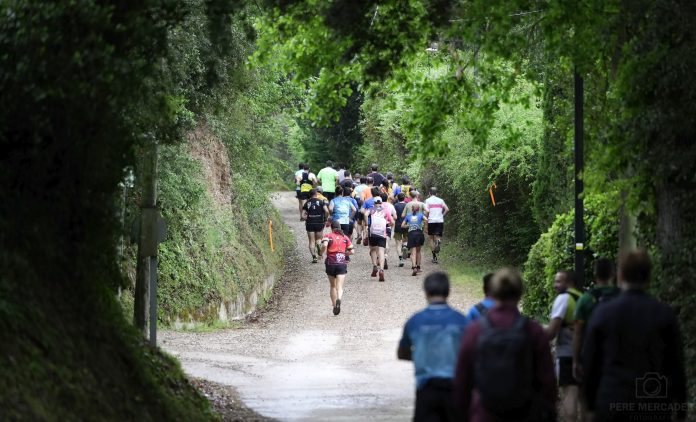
(341, 172)
(436, 209)
(380, 220)
(297, 178)
(405, 188)
(366, 192)
(388, 207)
(376, 176)
(385, 188)
(315, 212)
(360, 218)
(394, 186)
(367, 206)
(320, 195)
(400, 233)
(337, 247)
(328, 178)
(306, 182)
(414, 201)
(347, 180)
(343, 210)
(415, 222)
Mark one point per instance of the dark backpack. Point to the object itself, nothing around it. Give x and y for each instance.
(503, 372)
(601, 297)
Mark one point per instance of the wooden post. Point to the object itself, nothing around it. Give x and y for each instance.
(147, 237)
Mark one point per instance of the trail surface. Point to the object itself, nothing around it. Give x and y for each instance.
(298, 361)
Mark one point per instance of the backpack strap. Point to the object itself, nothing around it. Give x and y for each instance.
(481, 308)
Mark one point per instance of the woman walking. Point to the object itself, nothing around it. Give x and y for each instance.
(337, 247)
(415, 222)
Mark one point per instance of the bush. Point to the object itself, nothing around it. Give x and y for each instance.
(555, 250)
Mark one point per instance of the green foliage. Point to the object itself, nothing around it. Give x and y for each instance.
(555, 251)
(483, 233)
(83, 84)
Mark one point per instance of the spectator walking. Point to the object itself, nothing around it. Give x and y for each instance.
(560, 329)
(505, 370)
(633, 357)
(481, 309)
(602, 291)
(431, 340)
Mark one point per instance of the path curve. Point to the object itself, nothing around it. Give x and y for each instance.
(298, 361)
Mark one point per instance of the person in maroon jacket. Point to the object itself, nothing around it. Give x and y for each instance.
(505, 369)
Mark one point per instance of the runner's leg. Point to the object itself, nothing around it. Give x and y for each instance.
(380, 255)
(332, 290)
(418, 256)
(311, 240)
(340, 279)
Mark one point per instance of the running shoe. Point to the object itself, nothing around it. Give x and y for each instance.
(381, 275)
(358, 240)
(365, 241)
(337, 308)
(404, 251)
(401, 261)
(374, 271)
(434, 260)
(415, 271)
(386, 266)
(436, 249)
(418, 268)
(314, 259)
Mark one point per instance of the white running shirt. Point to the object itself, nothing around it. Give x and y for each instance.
(435, 207)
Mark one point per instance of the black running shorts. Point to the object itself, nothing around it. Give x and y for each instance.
(436, 229)
(303, 195)
(564, 368)
(347, 229)
(330, 195)
(378, 241)
(415, 239)
(314, 228)
(336, 269)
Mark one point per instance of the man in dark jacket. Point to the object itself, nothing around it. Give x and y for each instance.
(534, 393)
(633, 357)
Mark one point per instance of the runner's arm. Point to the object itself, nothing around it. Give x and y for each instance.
(445, 209)
(327, 214)
(350, 250)
(553, 328)
(404, 350)
(324, 246)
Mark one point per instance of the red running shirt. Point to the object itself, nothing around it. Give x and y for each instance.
(336, 249)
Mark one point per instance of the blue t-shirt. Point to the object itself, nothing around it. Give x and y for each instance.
(355, 204)
(341, 209)
(474, 313)
(414, 222)
(434, 336)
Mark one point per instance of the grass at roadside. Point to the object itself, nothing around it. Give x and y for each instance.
(463, 274)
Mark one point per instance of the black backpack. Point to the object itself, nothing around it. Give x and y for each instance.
(504, 369)
(601, 297)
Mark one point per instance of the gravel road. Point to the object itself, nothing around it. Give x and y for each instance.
(297, 361)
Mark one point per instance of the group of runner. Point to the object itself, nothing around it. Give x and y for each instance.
(371, 208)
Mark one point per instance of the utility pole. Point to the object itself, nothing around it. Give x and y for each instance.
(579, 164)
(147, 237)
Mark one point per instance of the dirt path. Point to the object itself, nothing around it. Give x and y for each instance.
(298, 361)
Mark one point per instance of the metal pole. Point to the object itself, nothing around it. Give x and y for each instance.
(153, 301)
(579, 163)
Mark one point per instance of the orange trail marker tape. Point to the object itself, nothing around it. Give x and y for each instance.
(270, 234)
(490, 190)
